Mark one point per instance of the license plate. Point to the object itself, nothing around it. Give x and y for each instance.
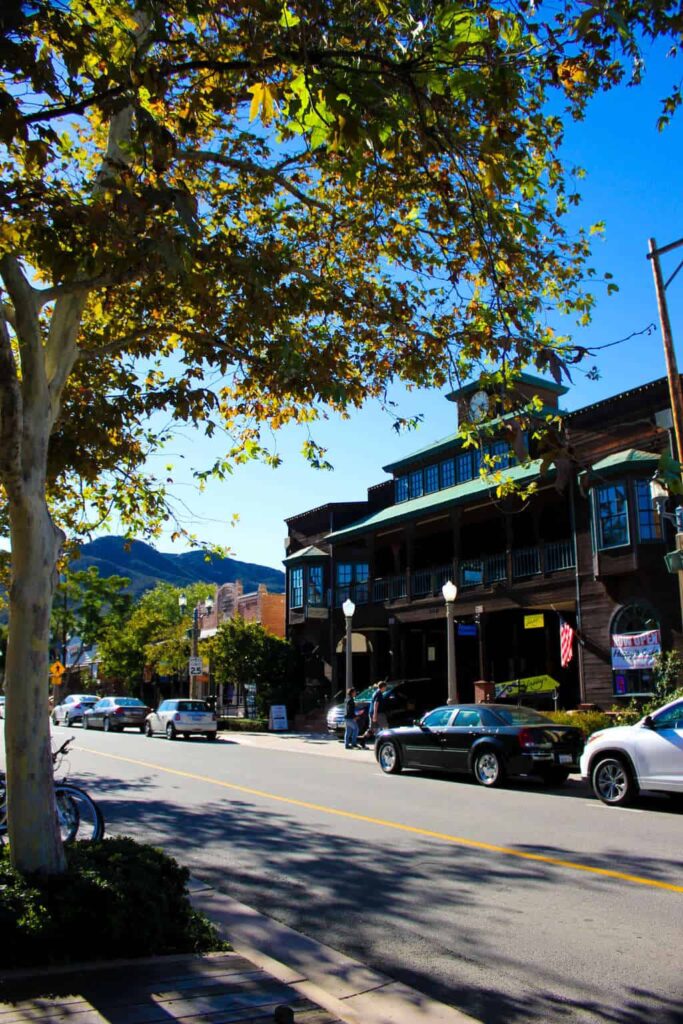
(565, 758)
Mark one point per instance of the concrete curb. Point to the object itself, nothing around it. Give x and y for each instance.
(340, 985)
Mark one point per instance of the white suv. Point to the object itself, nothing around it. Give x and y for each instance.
(649, 755)
(181, 717)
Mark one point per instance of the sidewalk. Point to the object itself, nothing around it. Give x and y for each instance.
(273, 974)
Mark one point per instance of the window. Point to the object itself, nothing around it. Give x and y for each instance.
(415, 484)
(649, 523)
(431, 479)
(611, 511)
(401, 488)
(463, 467)
(467, 719)
(438, 719)
(296, 588)
(500, 454)
(447, 472)
(315, 585)
(353, 582)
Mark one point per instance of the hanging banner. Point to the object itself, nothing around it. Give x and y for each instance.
(635, 650)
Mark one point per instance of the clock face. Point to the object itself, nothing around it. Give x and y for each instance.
(479, 405)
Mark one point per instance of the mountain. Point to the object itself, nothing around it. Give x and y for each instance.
(145, 566)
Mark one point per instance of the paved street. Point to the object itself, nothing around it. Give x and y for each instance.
(514, 905)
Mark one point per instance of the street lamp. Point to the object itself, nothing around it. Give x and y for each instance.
(349, 608)
(450, 592)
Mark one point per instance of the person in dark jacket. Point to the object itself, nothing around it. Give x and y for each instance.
(350, 722)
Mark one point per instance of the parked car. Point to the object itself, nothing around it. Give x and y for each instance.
(489, 741)
(180, 717)
(71, 709)
(404, 701)
(116, 714)
(621, 761)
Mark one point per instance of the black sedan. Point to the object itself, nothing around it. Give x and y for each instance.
(114, 714)
(489, 741)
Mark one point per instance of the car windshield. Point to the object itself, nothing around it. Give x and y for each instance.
(128, 702)
(521, 716)
(191, 705)
(367, 693)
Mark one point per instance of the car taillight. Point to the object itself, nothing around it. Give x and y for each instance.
(119, 711)
(176, 717)
(77, 707)
(214, 716)
(526, 738)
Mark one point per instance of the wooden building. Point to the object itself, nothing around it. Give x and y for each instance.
(586, 547)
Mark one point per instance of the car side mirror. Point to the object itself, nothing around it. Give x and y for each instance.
(647, 722)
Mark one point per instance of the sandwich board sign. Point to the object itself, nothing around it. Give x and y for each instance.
(277, 719)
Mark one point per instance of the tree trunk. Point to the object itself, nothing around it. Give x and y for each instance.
(35, 843)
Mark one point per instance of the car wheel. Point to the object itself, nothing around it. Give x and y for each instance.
(85, 722)
(211, 736)
(106, 725)
(142, 729)
(170, 731)
(148, 730)
(389, 758)
(67, 722)
(613, 782)
(488, 768)
(54, 719)
(555, 776)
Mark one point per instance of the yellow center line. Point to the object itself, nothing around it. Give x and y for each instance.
(474, 844)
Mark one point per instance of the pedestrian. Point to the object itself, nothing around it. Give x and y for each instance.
(350, 722)
(378, 713)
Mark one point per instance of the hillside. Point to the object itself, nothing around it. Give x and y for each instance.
(145, 566)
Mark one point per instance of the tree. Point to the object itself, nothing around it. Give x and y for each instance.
(153, 635)
(249, 214)
(85, 604)
(244, 653)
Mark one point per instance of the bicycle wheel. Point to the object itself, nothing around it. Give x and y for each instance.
(3, 804)
(79, 817)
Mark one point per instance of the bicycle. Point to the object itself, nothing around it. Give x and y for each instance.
(78, 815)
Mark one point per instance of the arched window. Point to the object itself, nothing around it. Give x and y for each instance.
(638, 617)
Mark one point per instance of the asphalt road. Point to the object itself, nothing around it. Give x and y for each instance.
(515, 905)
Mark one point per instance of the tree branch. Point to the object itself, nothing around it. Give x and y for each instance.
(206, 156)
(10, 413)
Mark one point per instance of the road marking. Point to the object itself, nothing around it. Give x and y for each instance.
(474, 844)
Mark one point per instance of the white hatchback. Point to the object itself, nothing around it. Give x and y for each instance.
(621, 761)
(182, 717)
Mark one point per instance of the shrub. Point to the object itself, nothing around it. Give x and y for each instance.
(587, 721)
(118, 899)
(243, 724)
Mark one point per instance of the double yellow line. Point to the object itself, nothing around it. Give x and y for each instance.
(473, 844)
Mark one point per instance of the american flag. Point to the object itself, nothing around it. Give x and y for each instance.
(566, 643)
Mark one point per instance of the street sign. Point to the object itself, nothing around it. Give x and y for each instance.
(467, 629)
(277, 719)
(57, 669)
(194, 666)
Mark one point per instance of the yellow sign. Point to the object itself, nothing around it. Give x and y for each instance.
(533, 621)
(57, 669)
(532, 684)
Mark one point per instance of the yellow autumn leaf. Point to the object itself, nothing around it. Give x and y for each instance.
(263, 100)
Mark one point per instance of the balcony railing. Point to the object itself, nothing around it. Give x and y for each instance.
(483, 571)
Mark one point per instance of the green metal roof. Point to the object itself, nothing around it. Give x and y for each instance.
(429, 503)
(518, 378)
(629, 458)
(306, 553)
(455, 440)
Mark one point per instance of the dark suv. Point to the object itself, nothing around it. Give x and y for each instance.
(404, 701)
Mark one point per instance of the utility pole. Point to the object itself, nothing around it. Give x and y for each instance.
(675, 393)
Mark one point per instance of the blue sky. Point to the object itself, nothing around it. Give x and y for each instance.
(633, 184)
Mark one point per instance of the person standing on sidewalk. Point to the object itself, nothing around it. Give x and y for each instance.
(350, 721)
(378, 713)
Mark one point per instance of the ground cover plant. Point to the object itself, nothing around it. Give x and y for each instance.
(118, 899)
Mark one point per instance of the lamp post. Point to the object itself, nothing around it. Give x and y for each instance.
(450, 592)
(349, 608)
